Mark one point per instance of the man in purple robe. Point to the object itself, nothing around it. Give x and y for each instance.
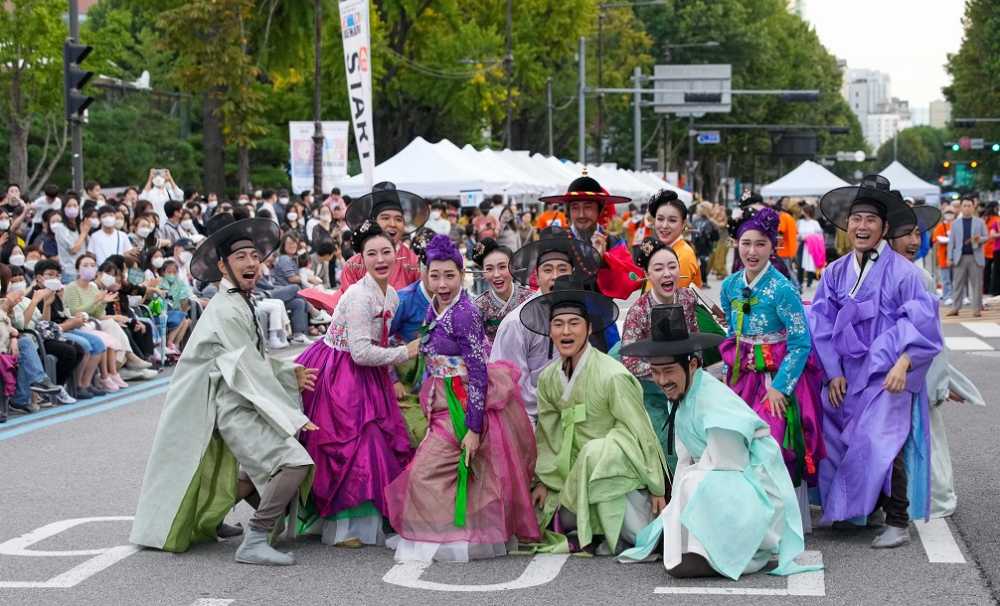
(876, 331)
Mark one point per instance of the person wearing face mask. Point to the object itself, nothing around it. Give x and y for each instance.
(269, 202)
(438, 223)
(187, 228)
(71, 233)
(128, 296)
(160, 188)
(32, 256)
(109, 240)
(49, 200)
(177, 294)
(295, 220)
(430, 504)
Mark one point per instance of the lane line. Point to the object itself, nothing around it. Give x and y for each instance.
(541, 570)
(81, 404)
(79, 414)
(212, 602)
(938, 542)
(967, 344)
(803, 584)
(989, 330)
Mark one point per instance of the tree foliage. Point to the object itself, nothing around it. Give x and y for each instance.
(920, 149)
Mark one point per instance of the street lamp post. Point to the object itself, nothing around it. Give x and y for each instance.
(317, 122)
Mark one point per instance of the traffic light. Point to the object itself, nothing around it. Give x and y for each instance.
(955, 147)
(75, 77)
(996, 147)
(800, 96)
(946, 164)
(974, 164)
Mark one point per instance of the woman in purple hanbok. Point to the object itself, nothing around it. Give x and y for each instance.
(362, 443)
(768, 353)
(466, 493)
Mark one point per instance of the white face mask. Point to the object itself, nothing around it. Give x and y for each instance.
(283, 200)
(292, 216)
(14, 287)
(213, 203)
(107, 281)
(186, 257)
(95, 222)
(53, 284)
(108, 220)
(435, 214)
(187, 224)
(158, 181)
(17, 260)
(143, 232)
(30, 264)
(158, 262)
(72, 212)
(4, 225)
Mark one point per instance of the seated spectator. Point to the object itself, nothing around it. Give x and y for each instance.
(71, 233)
(295, 220)
(177, 295)
(32, 256)
(109, 240)
(170, 228)
(321, 260)
(285, 284)
(129, 296)
(49, 200)
(83, 296)
(44, 236)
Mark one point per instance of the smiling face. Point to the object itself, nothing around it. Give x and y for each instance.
(549, 271)
(444, 280)
(664, 273)
(865, 230)
(583, 214)
(907, 245)
(755, 250)
(669, 374)
(668, 223)
(391, 222)
(496, 270)
(379, 256)
(569, 332)
(245, 264)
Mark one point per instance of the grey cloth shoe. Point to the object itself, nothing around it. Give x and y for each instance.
(255, 550)
(892, 537)
(227, 531)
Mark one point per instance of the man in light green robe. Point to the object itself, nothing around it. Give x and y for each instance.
(600, 469)
(229, 407)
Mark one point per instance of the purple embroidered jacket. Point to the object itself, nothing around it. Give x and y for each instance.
(458, 331)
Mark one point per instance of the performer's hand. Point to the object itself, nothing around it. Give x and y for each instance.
(413, 348)
(538, 495)
(310, 426)
(657, 504)
(837, 390)
(718, 313)
(895, 381)
(306, 378)
(470, 443)
(399, 389)
(776, 403)
(599, 241)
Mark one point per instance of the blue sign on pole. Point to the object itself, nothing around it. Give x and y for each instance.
(708, 137)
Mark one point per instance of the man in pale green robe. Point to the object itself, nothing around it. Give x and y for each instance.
(600, 469)
(228, 428)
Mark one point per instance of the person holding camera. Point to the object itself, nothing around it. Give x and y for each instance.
(161, 188)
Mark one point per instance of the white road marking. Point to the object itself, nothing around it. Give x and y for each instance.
(212, 602)
(542, 569)
(967, 344)
(988, 330)
(103, 557)
(938, 542)
(803, 584)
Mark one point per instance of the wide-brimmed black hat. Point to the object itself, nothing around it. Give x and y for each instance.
(385, 196)
(874, 193)
(927, 218)
(229, 236)
(568, 293)
(555, 241)
(585, 188)
(670, 336)
(485, 248)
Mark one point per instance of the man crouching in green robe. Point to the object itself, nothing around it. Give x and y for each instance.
(228, 429)
(600, 469)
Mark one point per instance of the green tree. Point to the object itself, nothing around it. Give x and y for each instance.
(920, 149)
(975, 79)
(31, 74)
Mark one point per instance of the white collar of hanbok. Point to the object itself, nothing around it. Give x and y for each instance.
(373, 286)
(437, 316)
(424, 291)
(868, 268)
(569, 382)
(658, 301)
(752, 284)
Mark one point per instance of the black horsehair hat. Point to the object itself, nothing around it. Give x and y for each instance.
(384, 196)
(568, 295)
(927, 218)
(228, 236)
(874, 195)
(555, 241)
(670, 337)
(585, 187)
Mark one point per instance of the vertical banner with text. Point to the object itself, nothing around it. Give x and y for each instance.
(300, 136)
(354, 25)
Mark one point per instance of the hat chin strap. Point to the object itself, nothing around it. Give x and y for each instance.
(245, 295)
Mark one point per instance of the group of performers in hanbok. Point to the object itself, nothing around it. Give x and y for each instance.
(451, 428)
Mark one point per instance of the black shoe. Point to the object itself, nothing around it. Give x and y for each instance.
(25, 408)
(45, 387)
(84, 394)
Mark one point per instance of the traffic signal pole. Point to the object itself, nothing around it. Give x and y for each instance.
(76, 149)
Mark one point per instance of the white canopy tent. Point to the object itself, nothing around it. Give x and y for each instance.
(808, 180)
(911, 185)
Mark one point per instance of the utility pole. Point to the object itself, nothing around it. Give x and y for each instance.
(690, 165)
(548, 111)
(582, 101)
(317, 122)
(637, 118)
(508, 62)
(76, 145)
(600, 84)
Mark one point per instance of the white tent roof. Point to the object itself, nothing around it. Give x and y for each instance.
(808, 179)
(909, 184)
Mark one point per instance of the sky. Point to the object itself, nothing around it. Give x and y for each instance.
(908, 39)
